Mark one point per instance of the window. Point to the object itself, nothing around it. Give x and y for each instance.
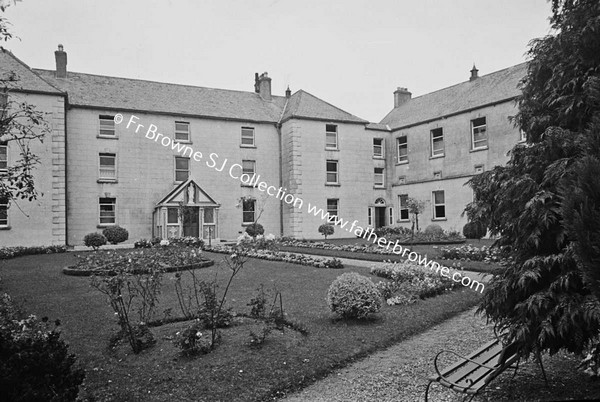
(108, 167)
(182, 131)
(331, 136)
(3, 156)
(107, 126)
(108, 209)
(378, 148)
(332, 209)
(370, 217)
(248, 208)
(402, 149)
(479, 169)
(248, 136)
(403, 207)
(437, 142)
(172, 216)
(479, 133)
(3, 212)
(182, 168)
(379, 177)
(209, 216)
(439, 205)
(391, 215)
(248, 167)
(522, 136)
(332, 172)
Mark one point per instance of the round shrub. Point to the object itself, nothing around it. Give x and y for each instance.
(326, 230)
(434, 230)
(474, 230)
(255, 229)
(353, 296)
(94, 240)
(115, 234)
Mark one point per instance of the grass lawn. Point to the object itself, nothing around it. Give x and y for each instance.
(431, 251)
(234, 371)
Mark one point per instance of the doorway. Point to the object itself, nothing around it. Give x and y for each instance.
(191, 222)
(379, 217)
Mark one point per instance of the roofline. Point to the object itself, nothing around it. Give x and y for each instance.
(302, 91)
(157, 82)
(324, 119)
(33, 91)
(36, 92)
(387, 130)
(455, 113)
(162, 113)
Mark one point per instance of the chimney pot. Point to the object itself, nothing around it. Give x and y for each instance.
(474, 72)
(401, 95)
(264, 86)
(61, 62)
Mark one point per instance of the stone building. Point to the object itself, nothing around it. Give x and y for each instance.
(170, 160)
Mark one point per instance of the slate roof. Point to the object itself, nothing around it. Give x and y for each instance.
(26, 79)
(88, 90)
(491, 88)
(305, 105)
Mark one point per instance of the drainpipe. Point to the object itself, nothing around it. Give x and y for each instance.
(278, 127)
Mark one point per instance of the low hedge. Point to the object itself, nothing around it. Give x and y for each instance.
(7, 253)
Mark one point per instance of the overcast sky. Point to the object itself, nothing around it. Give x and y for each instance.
(351, 53)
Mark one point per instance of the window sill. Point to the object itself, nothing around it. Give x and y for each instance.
(402, 163)
(379, 157)
(438, 219)
(108, 137)
(248, 146)
(105, 225)
(379, 187)
(5, 227)
(247, 224)
(332, 149)
(437, 156)
(183, 142)
(107, 181)
(479, 149)
(403, 221)
(333, 184)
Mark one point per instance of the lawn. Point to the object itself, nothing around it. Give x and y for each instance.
(432, 251)
(234, 371)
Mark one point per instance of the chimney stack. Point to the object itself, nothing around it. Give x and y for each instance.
(288, 92)
(401, 95)
(264, 86)
(61, 62)
(474, 72)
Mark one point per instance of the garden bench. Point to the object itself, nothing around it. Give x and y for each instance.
(472, 373)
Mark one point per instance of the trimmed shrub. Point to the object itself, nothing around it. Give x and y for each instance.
(326, 230)
(434, 230)
(474, 230)
(115, 234)
(35, 363)
(94, 240)
(12, 252)
(353, 296)
(255, 229)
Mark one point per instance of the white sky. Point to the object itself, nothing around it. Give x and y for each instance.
(351, 53)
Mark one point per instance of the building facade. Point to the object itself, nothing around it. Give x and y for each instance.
(166, 160)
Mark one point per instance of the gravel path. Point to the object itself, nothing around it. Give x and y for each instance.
(400, 372)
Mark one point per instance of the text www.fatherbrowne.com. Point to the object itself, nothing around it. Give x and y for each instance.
(234, 170)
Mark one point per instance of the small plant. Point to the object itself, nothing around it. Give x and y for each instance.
(255, 229)
(36, 364)
(115, 234)
(142, 243)
(434, 230)
(94, 240)
(334, 263)
(326, 230)
(192, 341)
(259, 333)
(474, 230)
(353, 296)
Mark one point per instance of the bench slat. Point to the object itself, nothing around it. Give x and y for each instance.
(471, 371)
(479, 351)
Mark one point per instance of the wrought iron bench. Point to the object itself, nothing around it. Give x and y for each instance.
(472, 373)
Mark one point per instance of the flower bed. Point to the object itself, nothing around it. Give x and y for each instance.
(409, 283)
(166, 259)
(406, 236)
(471, 253)
(280, 256)
(356, 248)
(12, 252)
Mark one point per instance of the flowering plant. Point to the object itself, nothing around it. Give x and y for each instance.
(192, 341)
